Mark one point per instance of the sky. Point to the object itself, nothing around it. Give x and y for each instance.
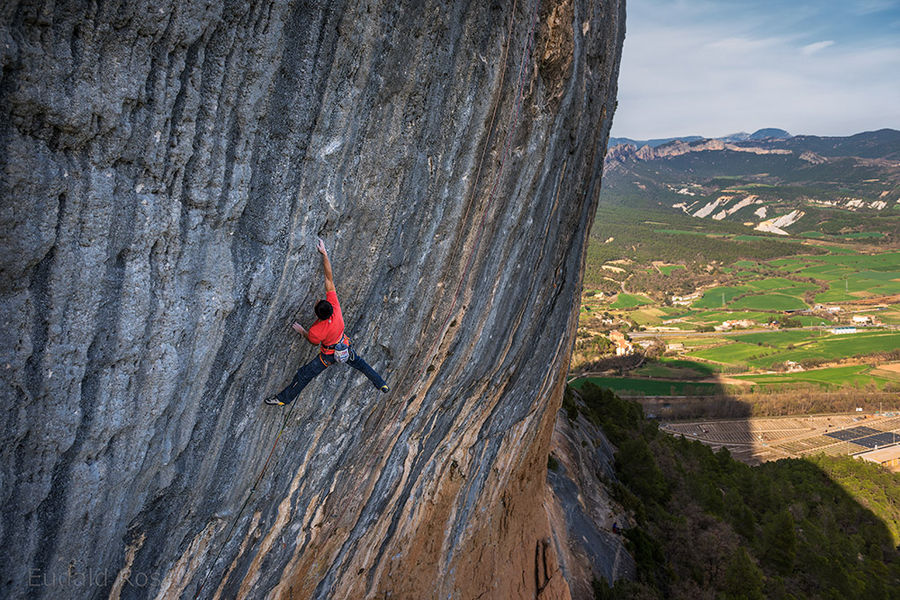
(710, 68)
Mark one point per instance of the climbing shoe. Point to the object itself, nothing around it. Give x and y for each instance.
(274, 401)
(385, 389)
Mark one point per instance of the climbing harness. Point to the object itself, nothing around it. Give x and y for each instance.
(341, 349)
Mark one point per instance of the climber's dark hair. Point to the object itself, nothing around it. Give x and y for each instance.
(324, 310)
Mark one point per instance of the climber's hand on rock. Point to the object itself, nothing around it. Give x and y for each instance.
(320, 246)
(298, 328)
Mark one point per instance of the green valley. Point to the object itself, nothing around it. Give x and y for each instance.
(685, 295)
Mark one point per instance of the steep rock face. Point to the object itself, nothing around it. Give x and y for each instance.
(581, 510)
(166, 167)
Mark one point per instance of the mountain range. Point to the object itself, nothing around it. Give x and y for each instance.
(761, 134)
(773, 183)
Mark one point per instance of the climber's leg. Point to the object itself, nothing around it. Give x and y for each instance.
(356, 361)
(304, 375)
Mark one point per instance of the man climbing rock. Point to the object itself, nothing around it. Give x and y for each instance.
(328, 332)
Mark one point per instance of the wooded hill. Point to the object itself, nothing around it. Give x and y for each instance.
(707, 526)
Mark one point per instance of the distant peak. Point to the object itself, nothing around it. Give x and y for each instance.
(770, 133)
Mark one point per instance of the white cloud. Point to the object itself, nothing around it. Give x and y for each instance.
(813, 48)
(743, 45)
(701, 76)
(866, 7)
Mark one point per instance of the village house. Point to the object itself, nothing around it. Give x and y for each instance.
(735, 324)
(685, 300)
(828, 309)
(623, 346)
(843, 330)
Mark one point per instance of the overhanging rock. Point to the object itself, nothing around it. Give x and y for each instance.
(166, 167)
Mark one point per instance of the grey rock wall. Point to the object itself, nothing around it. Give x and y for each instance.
(581, 509)
(166, 167)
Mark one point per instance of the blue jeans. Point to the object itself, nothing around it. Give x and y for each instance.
(310, 370)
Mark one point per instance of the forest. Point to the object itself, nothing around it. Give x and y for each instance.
(708, 526)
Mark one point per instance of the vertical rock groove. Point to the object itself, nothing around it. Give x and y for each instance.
(165, 168)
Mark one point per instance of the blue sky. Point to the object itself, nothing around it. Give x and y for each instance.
(702, 67)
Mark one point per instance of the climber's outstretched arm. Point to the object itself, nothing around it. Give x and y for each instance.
(326, 266)
(301, 330)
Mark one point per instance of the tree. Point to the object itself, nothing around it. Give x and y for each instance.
(743, 579)
(780, 542)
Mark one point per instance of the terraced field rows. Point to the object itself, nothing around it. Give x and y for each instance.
(757, 440)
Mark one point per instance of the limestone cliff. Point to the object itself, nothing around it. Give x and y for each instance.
(166, 167)
(585, 520)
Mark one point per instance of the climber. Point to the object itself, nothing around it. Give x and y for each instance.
(328, 332)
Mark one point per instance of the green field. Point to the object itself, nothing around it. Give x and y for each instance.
(854, 375)
(754, 238)
(782, 285)
(668, 368)
(791, 264)
(780, 339)
(650, 387)
(695, 318)
(876, 235)
(839, 250)
(863, 235)
(769, 302)
(808, 320)
(715, 297)
(849, 276)
(630, 301)
(680, 232)
(876, 262)
(717, 317)
(765, 350)
(773, 283)
(733, 353)
(667, 269)
(852, 286)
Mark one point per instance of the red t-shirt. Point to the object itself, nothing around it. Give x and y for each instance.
(330, 331)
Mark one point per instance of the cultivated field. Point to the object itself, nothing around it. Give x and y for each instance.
(624, 300)
(765, 350)
(629, 386)
(760, 291)
(851, 375)
(760, 439)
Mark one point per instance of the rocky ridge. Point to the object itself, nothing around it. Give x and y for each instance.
(628, 152)
(166, 168)
(778, 186)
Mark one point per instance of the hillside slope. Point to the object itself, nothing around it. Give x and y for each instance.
(165, 171)
(804, 185)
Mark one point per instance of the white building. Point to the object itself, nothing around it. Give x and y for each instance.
(685, 300)
(829, 309)
(842, 330)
